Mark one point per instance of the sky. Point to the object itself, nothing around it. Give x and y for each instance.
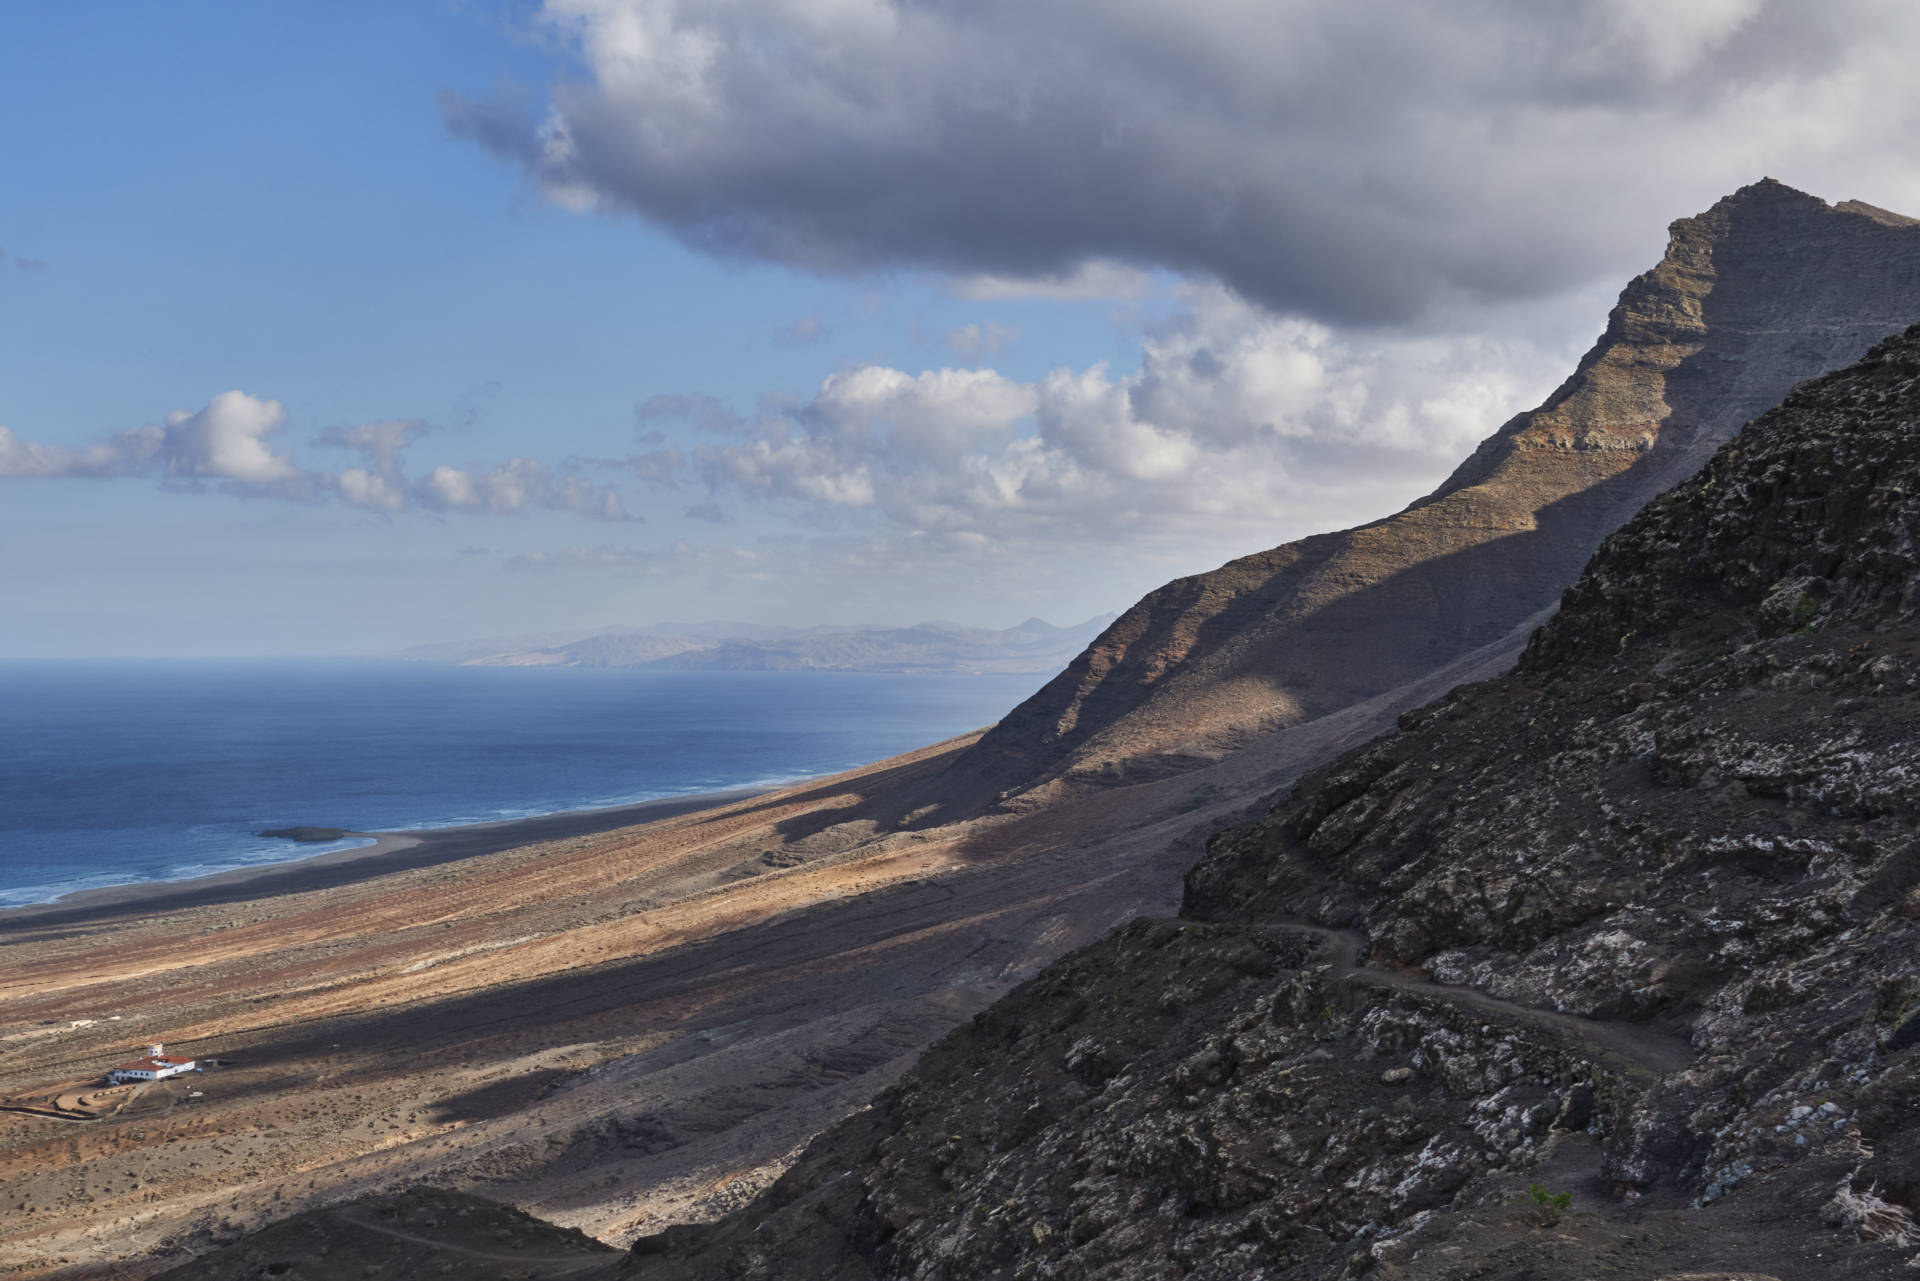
(337, 328)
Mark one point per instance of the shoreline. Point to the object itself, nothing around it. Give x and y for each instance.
(390, 852)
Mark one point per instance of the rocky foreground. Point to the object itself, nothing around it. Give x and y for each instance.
(1608, 968)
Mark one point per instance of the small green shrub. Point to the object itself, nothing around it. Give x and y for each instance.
(1549, 1204)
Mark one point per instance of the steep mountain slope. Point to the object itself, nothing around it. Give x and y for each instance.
(1607, 968)
(1768, 287)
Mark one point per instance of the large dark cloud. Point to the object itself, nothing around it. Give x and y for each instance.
(1354, 160)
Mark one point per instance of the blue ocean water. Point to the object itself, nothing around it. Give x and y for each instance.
(120, 772)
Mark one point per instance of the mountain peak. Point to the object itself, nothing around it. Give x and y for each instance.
(1768, 191)
(1772, 198)
(1774, 194)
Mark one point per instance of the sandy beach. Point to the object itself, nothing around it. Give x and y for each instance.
(390, 852)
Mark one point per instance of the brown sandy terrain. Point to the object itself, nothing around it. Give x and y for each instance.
(613, 1030)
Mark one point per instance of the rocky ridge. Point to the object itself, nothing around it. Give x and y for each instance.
(1606, 968)
(1768, 287)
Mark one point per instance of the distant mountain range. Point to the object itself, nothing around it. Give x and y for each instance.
(1033, 646)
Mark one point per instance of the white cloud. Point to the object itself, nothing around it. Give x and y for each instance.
(1667, 40)
(126, 454)
(373, 490)
(1236, 422)
(381, 443)
(787, 464)
(1076, 490)
(227, 440)
(231, 440)
(515, 485)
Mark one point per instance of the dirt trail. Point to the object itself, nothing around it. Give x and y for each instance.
(1654, 1051)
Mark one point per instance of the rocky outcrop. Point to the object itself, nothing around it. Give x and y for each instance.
(1603, 969)
(1768, 287)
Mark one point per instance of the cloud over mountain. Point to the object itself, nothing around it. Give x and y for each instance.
(1355, 161)
(1235, 415)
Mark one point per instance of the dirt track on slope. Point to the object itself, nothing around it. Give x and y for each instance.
(1652, 1051)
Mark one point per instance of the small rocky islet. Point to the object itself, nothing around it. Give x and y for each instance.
(309, 835)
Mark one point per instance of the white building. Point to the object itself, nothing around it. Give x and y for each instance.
(155, 1067)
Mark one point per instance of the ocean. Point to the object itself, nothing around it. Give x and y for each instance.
(113, 773)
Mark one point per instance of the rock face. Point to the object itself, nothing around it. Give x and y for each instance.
(1607, 968)
(1765, 289)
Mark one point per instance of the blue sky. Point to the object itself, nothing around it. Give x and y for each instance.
(975, 341)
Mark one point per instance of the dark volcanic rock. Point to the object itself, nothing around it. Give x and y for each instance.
(1635, 927)
(1769, 287)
